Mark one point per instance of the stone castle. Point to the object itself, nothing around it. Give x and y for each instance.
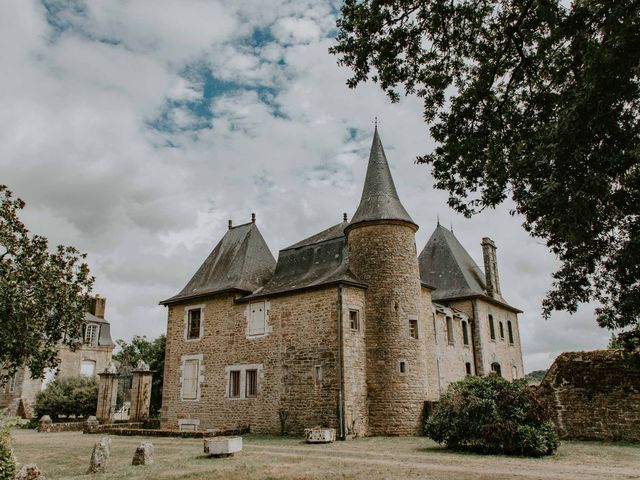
(350, 328)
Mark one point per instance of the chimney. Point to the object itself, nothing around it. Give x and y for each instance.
(491, 267)
(97, 306)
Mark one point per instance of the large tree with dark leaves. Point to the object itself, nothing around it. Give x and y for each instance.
(43, 294)
(533, 99)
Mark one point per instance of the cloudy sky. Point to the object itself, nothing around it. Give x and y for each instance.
(135, 129)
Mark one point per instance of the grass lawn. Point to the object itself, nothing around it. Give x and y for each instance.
(66, 456)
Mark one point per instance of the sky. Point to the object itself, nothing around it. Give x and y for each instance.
(134, 130)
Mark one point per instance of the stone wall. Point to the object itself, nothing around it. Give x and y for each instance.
(594, 395)
(70, 362)
(17, 398)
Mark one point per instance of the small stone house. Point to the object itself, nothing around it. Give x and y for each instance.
(18, 395)
(349, 328)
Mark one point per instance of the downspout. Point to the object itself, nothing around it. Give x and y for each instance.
(474, 302)
(341, 433)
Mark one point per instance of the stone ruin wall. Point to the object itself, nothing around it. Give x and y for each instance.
(595, 395)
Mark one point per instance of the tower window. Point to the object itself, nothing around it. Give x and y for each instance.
(510, 331)
(467, 367)
(403, 366)
(501, 331)
(194, 320)
(413, 328)
(450, 336)
(495, 368)
(465, 333)
(317, 373)
(492, 328)
(435, 331)
(354, 320)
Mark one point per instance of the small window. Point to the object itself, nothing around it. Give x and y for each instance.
(251, 383)
(88, 368)
(234, 384)
(12, 382)
(435, 331)
(413, 328)
(190, 374)
(91, 334)
(501, 331)
(317, 373)
(258, 318)
(465, 333)
(510, 331)
(403, 367)
(193, 324)
(354, 319)
(450, 337)
(495, 368)
(467, 367)
(492, 328)
(514, 372)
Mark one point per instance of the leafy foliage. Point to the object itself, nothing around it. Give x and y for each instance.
(43, 295)
(535, 377)
(76, 396)
(530, 99)
(152, 352)
(7, 460)
(492, 415)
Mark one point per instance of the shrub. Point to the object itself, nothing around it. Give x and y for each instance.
(68, 396)
(7, 460)
(492, 415)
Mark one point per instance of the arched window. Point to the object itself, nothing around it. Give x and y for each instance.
(514, 372)
(450, 337)
(465, 333)
(510, 331)
(492, 328)
(495, 368)
(467, 367)
(501, 331)
(435, 331)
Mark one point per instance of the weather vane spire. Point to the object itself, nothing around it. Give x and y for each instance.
(375, 122)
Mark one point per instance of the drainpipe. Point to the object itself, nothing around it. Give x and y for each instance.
(341, 434)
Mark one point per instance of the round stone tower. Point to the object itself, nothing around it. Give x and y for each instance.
(382, 253)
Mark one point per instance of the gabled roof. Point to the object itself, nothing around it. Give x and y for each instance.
(240, 261)
(321, 259)
(445, 264)
(379, 196)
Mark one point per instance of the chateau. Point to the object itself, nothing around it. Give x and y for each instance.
(350, 328)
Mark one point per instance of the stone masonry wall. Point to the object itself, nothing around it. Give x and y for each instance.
(384, 256)
(594, 395)
(302, 336)
(70, 361)
(20, 400)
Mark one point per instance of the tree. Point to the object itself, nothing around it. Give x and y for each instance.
(491, 415)
(533, 100)
(76, 396)
(152, 352)
(43, 295)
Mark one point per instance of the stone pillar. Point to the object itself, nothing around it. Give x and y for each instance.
(107, 394)
(141, 380)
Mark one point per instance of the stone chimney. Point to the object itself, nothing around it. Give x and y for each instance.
(491, 267)
(97, 306)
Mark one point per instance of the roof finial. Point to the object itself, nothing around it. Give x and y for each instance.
(344, 216)
(230, 224)
(451, 224)
(375, 122)
(438, 218)
(253, 218)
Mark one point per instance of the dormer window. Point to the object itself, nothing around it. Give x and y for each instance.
(91, 334)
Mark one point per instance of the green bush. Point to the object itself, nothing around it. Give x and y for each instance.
(75, 396)
(492, 415)
(7, 460)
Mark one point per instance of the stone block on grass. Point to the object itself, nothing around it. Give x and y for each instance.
(222, 446)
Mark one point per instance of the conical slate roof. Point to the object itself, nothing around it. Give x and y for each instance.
(240, 261)
(445, 264)
(379, 197)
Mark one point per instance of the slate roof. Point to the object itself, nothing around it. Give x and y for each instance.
(319, 260)
(379, 196)
(104, 339)
(445, 264)
(240, 261)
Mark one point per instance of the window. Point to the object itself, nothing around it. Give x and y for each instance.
(317, 373)
(495, 368)
(234, 384)
(450, 337)
(514, 372)
(257, 318)
(413, 328)
(12, 382)
(91, 334)
(467, 367)
(190, 379)
(354, 319)
(435, 332)
(193, 323)
(88, 368)
(510, 331)
(251, 383)
(492, 328)
(403, 366)
(465, 333)
(501, 331)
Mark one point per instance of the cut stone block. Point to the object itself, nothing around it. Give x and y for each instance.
(320, 435)
(222, 446)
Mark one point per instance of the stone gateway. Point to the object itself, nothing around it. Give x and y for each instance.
(350, 329)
